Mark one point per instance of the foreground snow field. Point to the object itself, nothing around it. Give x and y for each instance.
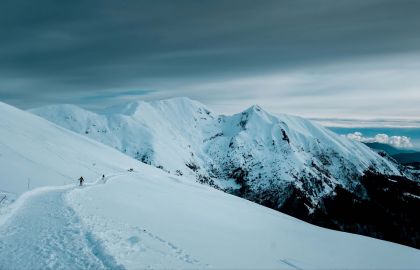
(152, 221)
(147, 218)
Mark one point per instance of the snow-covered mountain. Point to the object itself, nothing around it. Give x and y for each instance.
(285, 162)
(183, 136)
(148, 218)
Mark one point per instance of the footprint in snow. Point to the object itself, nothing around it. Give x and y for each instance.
(172, 248)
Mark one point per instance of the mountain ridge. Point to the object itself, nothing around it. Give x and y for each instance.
(174, 113)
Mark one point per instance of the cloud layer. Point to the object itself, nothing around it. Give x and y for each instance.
(322, 58)
(397, 141)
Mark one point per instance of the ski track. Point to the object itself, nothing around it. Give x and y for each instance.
(137, 242)
(45, 233)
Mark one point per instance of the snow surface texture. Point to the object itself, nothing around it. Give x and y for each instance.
(254, 148)
(148, 218)
(194, 226)
(35, 152)
(45, 233)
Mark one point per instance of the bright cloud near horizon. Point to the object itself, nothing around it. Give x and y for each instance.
(397, 141)
(320, 59)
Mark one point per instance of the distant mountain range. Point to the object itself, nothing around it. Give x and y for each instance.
(403, 156)
(284, 162)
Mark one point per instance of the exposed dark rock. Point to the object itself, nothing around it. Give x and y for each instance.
(285, 137)
(194, 167)
(388, 208)
(244, 120)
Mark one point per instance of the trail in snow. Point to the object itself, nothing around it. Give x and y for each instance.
(134, 245)
(45, 233)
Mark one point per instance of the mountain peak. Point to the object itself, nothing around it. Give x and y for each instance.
(185, 100)
(256, 113)
(254, 108)
(179, 102)
(128, 108)
(172, 104)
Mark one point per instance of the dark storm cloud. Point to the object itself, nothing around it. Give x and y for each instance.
(75, 51)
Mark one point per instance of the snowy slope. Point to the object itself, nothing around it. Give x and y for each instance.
(39, 153)
(156, 133)
(254, 149)
(169, 222)
(148, 218)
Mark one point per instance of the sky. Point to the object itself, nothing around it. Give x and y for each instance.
(356, 59)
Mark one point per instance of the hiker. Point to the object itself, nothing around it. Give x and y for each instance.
(103, 177)
(81, 180)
